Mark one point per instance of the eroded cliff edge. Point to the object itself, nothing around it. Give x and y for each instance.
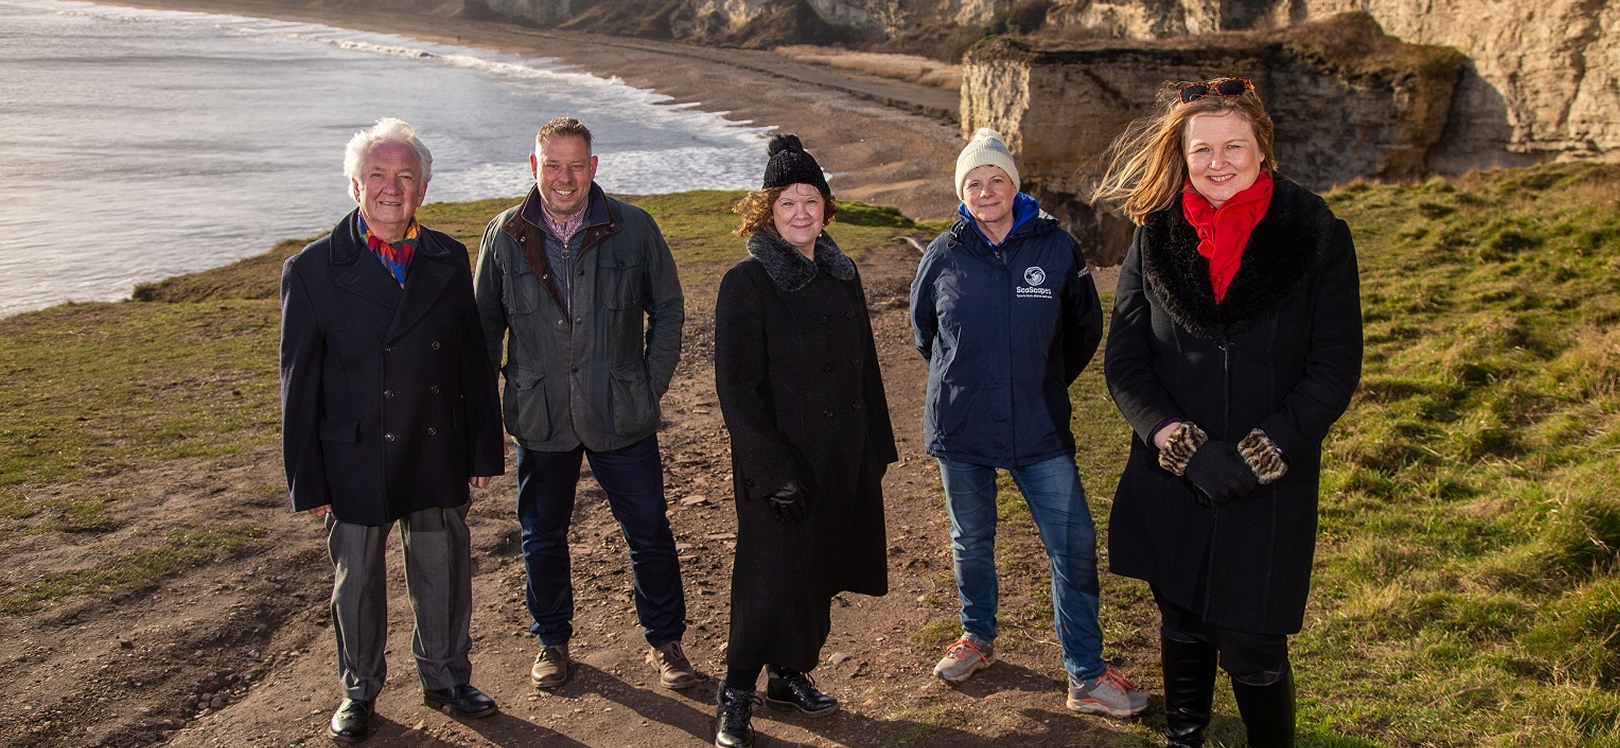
(1348, 102)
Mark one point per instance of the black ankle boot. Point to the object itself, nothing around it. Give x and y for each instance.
(1268, 711)
(791, 689)
(734, 721)
(1189, 688)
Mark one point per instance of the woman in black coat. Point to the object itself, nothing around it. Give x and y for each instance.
(797, 374)
(1235, 345)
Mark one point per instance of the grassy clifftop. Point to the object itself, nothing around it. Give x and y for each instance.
(1466, 588)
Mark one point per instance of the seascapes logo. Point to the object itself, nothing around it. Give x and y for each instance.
(1034, 276)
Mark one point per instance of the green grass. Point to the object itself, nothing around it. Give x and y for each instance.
(1465, 592)
(188, 371)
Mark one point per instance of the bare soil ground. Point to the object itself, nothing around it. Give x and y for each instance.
(239, 652)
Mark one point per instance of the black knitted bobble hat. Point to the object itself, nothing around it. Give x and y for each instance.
(790, 164)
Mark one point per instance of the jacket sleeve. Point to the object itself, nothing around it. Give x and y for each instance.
(880, 430)
(1333, 362)
(741, 380)
(303, 356)
(487, 282)
(924, 318)
(1082, 317)
(1128, 356)
(666, 310)
(479, 392)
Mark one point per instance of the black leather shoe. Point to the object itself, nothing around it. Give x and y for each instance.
(791, 689)
(733, 721)
(352, 721)
(460, 701)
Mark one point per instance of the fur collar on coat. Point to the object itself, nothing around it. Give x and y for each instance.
(1297, 229)
(790, 270)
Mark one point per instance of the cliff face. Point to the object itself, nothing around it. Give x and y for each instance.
(1347, 102)
(1543, 79)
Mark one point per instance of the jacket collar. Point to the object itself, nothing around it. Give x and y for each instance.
(1028, 220)
(1285, 244)
(600, 218)
(364, 276)
(789, 269)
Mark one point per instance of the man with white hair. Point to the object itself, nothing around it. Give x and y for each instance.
(389, 414)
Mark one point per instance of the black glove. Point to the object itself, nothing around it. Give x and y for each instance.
(787, 503)
(1219, 471)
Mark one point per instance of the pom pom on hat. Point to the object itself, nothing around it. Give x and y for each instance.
(985, 149)
(790, 164)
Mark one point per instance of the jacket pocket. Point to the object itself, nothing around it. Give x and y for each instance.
(623, 280)
(524, 407)
(635, 410)
(521, 291)
(339, 430)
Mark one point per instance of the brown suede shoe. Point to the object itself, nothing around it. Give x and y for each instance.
(674, 670)
(551, 667)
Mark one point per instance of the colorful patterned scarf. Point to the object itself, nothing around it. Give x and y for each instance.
(395, 257)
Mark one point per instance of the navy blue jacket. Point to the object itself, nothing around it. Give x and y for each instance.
(1005, 330)
(388, 401)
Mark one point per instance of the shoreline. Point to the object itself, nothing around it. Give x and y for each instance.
(870, 134)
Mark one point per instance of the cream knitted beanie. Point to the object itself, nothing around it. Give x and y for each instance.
(986, 147)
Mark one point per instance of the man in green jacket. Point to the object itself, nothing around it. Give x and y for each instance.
(585, 292)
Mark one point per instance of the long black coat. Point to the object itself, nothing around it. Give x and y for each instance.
(797, 374)
(1282, 352)
(388, 400)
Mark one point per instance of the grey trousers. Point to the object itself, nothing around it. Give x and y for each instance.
(438, 575)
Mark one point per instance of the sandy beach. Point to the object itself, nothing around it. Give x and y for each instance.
(881, 140)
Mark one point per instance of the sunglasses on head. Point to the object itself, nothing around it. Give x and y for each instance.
(1224, 87)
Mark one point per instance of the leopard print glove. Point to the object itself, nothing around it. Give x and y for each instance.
(1184, 441)
(1263, 456)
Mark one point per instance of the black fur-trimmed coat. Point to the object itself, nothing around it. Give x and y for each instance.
(796, 372)
(1282, 352)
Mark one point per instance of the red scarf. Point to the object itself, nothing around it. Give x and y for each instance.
(1223, 232)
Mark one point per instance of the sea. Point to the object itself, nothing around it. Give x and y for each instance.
(136, 145)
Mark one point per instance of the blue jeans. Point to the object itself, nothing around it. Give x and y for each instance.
(633, 479)
(1057, 502)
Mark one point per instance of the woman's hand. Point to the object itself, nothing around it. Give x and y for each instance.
(787, 503)
(1219, 471)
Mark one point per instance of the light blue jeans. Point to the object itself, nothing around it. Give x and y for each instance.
(1057, 502)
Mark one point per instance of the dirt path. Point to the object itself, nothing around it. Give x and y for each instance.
(239, 653)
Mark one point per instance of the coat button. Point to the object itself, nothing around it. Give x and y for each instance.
(434, 390)
(828, 413)
(387, 349)
(575, 370)
(823, 319)
(579, 320)
(849, 314)
(853, 360)
(388, 436)
(432, 431)
(388, 393)
(826, 367)
(435, 345)
(855, 407)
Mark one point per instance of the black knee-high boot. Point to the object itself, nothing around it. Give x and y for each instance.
(1189, 688)
(1268, 711)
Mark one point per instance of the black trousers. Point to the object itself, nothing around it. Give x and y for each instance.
(1249, 658)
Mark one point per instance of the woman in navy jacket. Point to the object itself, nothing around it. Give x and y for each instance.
(1236, 343)
(1005, 311)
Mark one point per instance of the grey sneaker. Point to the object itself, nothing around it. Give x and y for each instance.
(968, 655)
(674, 670)
(1108, 694)
(551, 667)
